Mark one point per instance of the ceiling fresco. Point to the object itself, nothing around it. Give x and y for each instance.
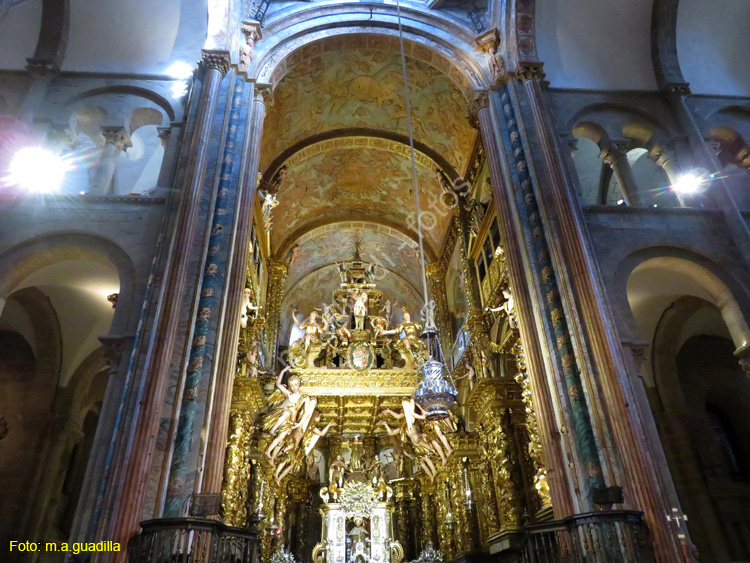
(347, 183)
(364, 88)
(334, 243)
(318, 287)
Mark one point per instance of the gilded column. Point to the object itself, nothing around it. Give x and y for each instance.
(216, 429)
(534, 444)
(428, 531)
(277, 272)
(123, 490)
(484, 497)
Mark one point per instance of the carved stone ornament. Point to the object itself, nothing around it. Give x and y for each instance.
(218, 60)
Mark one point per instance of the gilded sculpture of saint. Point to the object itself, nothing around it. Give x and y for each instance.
(408, 334)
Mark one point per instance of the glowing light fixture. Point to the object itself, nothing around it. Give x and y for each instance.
(689, 183)
(182, 71)
(37, 170)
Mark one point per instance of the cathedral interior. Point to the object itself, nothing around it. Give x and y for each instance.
(374, 281)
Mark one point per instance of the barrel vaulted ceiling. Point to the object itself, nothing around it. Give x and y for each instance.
(338, 123)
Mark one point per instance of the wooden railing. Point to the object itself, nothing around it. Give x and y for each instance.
(617, 536)
(192, 540)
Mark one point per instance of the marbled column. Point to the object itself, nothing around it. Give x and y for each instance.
(614, 420)
(115, 143)
(528, 299)
(216, 429)
(209, 305)
(133, 445)
(617, 160)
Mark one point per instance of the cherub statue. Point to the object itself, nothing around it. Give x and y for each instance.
(435, 431)
(387, 308)
(379, 326)
(313, 329)
(269, 202)
(251, 360)
(468, 373)
(248, 309)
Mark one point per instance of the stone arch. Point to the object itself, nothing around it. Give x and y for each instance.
(733, 147)
(427, 37)
(119, 90)
(22, 260)
(720, 287)
(423, 152)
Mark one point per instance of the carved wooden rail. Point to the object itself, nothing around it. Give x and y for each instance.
(617, 536)
(191, 540)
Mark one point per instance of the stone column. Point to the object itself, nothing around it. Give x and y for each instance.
(626, 454)
(128, 464)
(528, 297)
(617, 159)
(216, 429)
(115, 143)
(277, 272)
(41, 74)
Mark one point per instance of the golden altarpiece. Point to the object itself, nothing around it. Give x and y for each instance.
(332, 459)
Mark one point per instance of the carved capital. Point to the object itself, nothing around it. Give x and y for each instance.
(116, 135)
(114, 346)
(218, 60)
(661, 155)
(264, 94)
(678, 89)
(42, 68)
(481, 101)
(610, 155)
(164, 133)
(527, 71)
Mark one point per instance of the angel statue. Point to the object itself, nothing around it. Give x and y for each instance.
(298, 445)
(469, 374)
(313, 329)
(269, 202)
(422, 449)
(290, 409)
